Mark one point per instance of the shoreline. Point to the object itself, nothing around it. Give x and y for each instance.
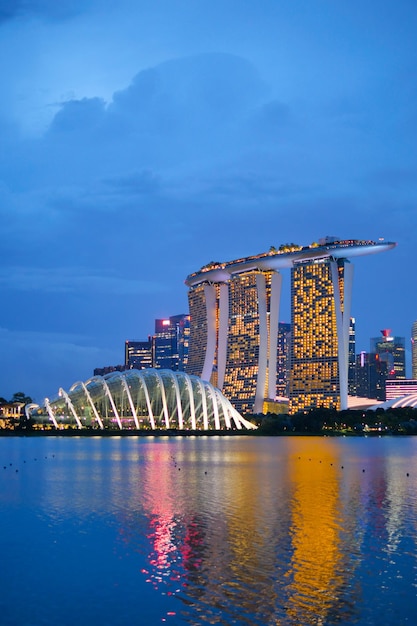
(191, 433)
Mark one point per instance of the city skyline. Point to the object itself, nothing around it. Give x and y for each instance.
(141, 140)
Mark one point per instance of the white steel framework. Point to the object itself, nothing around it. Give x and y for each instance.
(149, 399)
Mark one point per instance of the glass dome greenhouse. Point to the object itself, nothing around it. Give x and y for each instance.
(141, 399)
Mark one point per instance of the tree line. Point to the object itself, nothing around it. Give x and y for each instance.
(17, 397)
(400, 421)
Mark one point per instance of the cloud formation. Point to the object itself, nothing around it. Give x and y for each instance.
(165, 143)
(12, 9)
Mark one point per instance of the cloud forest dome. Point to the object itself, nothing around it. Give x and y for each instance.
(141, 399)
(286, 255)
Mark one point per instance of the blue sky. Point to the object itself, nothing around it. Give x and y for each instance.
(141, 140)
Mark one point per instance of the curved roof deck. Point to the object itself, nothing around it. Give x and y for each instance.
(280, 259)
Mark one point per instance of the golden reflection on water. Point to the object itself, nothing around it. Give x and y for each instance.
(235, 533)
(262, 531)
(315, 566)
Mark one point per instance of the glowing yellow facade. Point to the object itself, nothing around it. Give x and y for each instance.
(244, 369)
(318, 359)
(234, 328)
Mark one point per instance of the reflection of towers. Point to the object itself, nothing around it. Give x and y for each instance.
(320, 305)
(204, 538)
(317, 566)
(236, 543)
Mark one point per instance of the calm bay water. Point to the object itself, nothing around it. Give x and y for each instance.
(208, 530)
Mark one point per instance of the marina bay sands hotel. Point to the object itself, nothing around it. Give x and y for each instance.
(234, 310)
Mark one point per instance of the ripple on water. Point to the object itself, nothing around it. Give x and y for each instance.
(217, 530)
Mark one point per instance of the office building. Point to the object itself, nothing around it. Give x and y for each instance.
(352, 358)
(234, 309)
(391, 350)
(283, 359)
(370, 376)
(138, 354)
(170, 342)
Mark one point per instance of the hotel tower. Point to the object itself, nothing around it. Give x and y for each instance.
(234, 310)
(320, 315)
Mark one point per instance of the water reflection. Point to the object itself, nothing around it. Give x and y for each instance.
(315, 569)
(234, 530)
(270, 539)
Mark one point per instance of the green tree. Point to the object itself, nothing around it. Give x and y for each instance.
(19, 396)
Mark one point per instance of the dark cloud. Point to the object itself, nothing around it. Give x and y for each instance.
(187, 108)
(187, 111)
(79, 116)
(220, 86)
(49, 9)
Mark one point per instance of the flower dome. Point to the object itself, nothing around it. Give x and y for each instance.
(141, 399)
(409, 400)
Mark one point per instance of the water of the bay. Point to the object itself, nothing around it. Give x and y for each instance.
(208, 530)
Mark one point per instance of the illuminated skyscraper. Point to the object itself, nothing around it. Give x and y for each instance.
(352, 358)
(283, 359)
(234, 329)
(234, 313)
(371, 376)
(391, 350)
(170, 342)
(138, 354)
(320, 315)
(250, 369)
(204, 303)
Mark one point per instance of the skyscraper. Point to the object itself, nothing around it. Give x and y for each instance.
(391, 350)
(370, 376)
(138, 354)
(170, 342)
(320, 315)
(233, 338)
(283, 359)
(234, 311)
(204, 302)
(352, 358)
(250, 369)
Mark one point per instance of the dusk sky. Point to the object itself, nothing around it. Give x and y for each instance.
(142, 139)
